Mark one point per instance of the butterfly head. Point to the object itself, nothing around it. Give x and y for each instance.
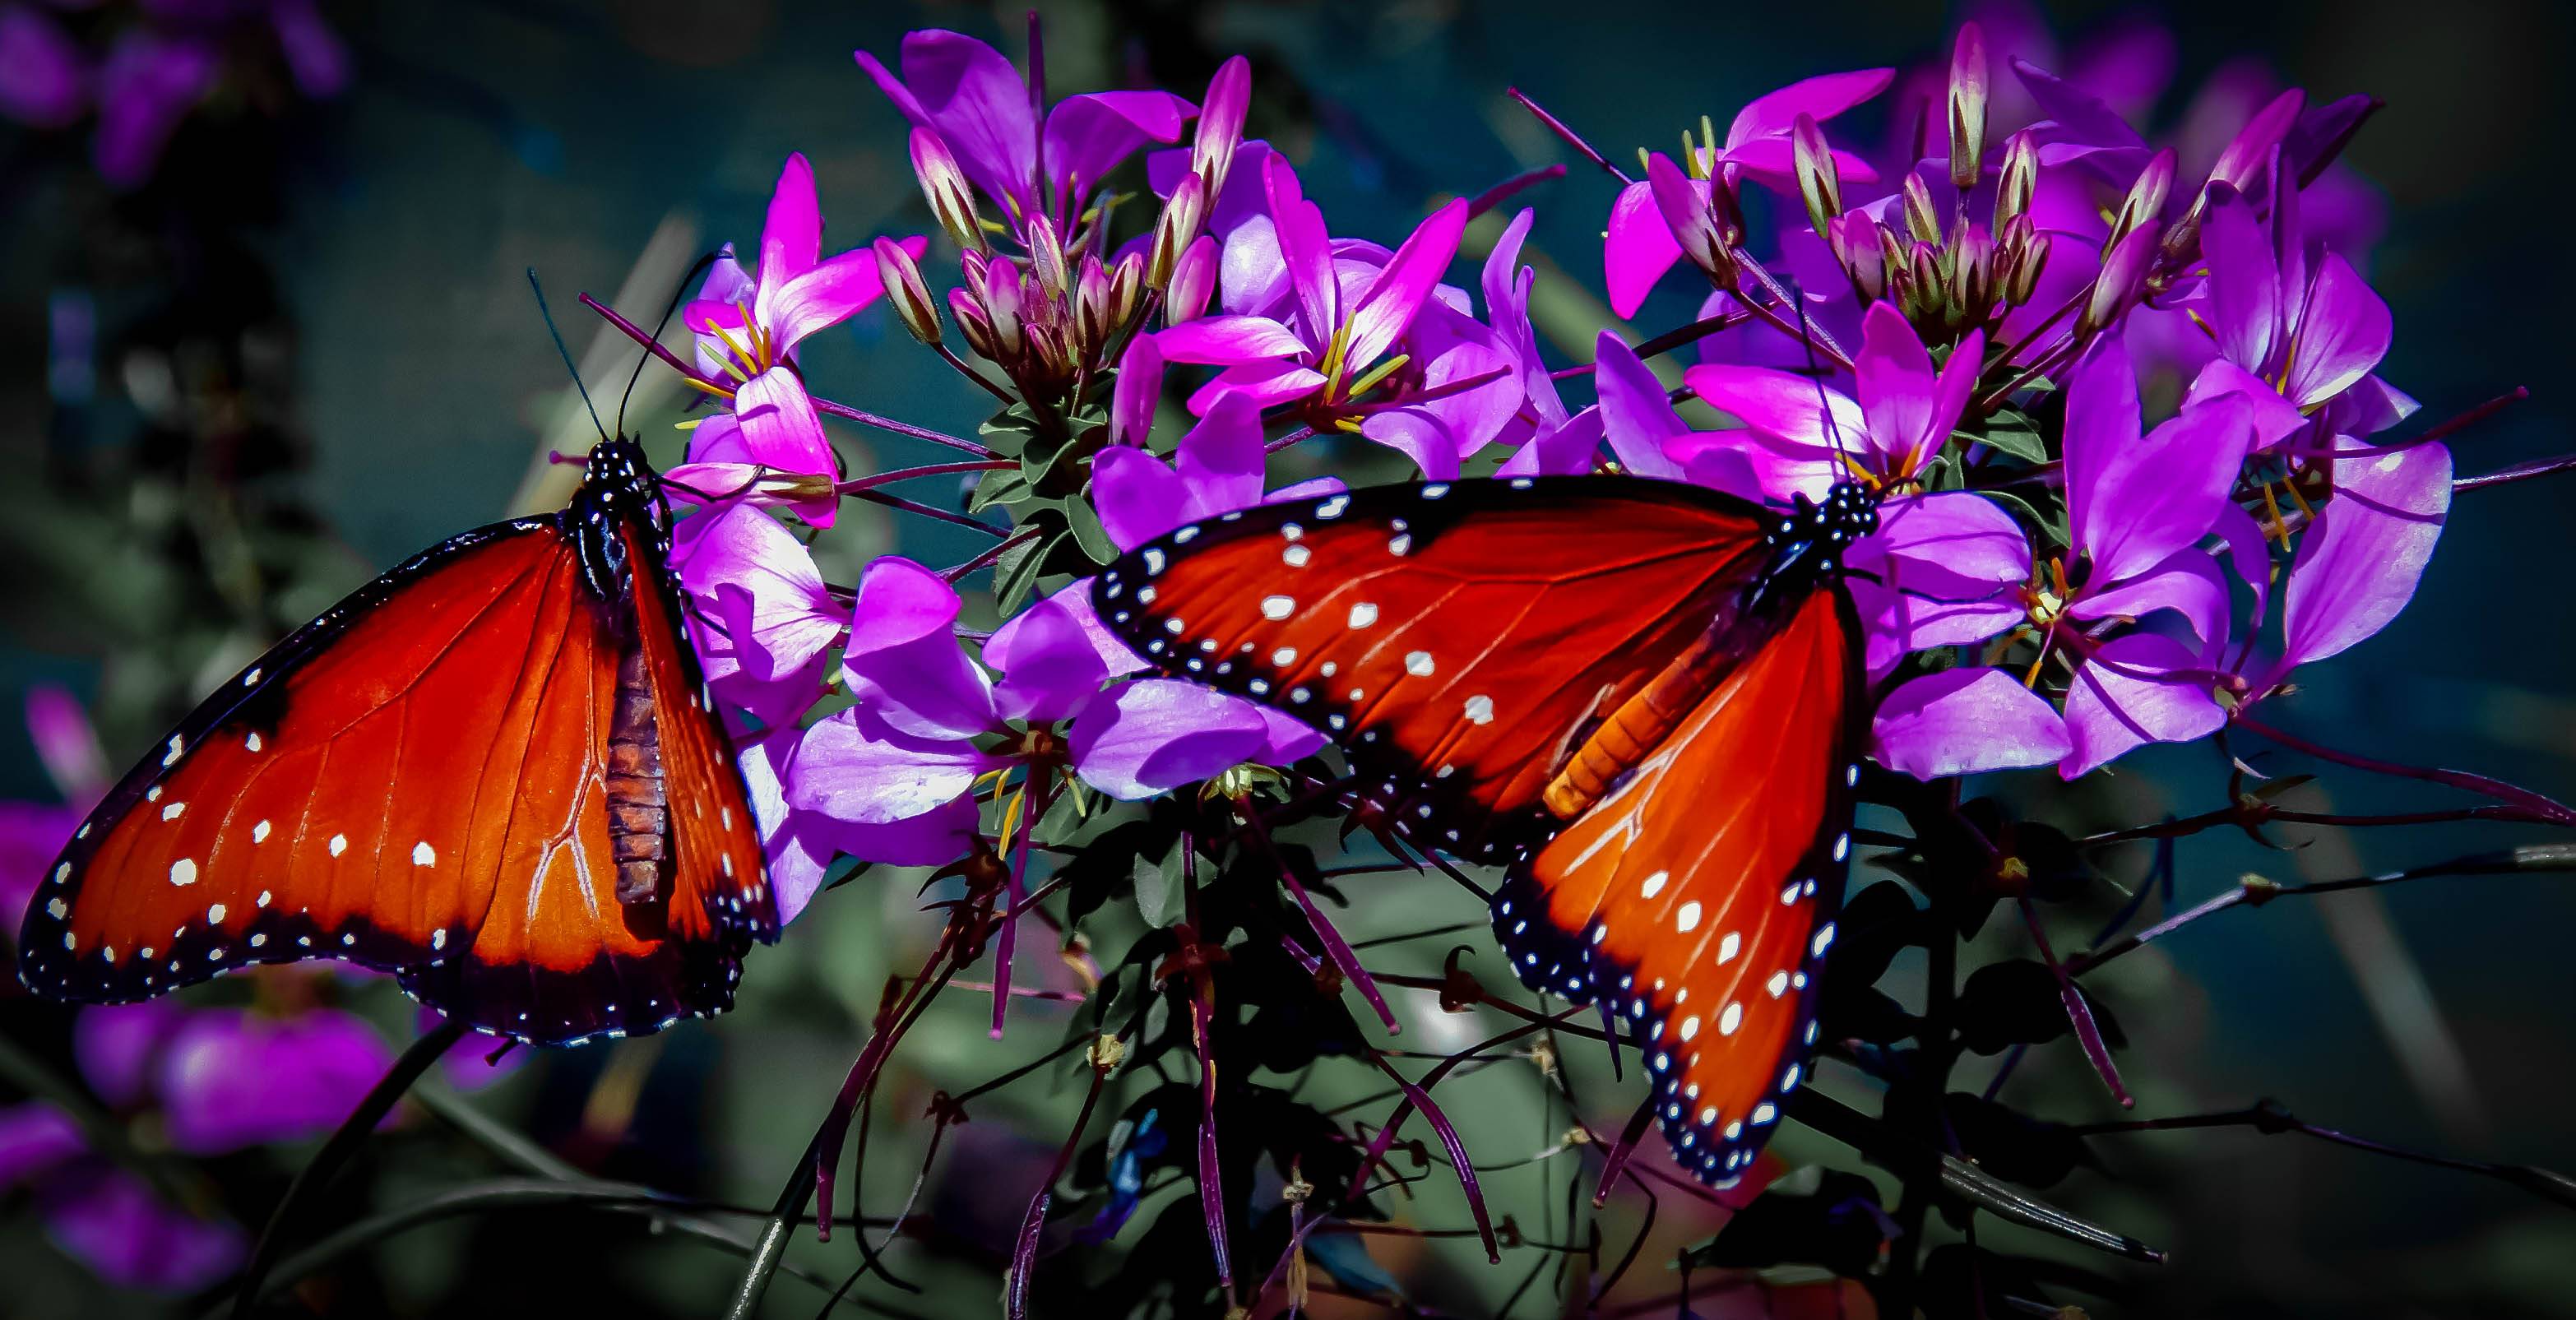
(617, 486)
(1808, 543)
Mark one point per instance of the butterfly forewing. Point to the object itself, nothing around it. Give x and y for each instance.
(1453, 637)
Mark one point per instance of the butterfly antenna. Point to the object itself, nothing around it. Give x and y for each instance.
(565, 353)
(696, 273)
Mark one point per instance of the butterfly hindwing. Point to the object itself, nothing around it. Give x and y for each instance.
(1697, 897)
(1453, 637)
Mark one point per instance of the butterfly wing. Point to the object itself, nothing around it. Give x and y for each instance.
(1697, 896)
(1454, 637)
(414, 782)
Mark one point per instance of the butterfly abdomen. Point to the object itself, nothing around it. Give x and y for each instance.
(639, 820)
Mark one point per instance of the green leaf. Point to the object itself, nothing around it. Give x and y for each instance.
(2012, 433)
(1158, 889)
(1016, 573)
(1088, 534)
(2050, 525)
(1001, 486)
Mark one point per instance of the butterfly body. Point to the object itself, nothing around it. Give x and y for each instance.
(1644, 699)
(494, 772)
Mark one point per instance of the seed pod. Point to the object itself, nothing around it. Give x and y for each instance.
(944, 186)
(911, 298)
(1967, 107)
(1046, 257)
(1183, 215)
(2020, 180)
(1819, 185)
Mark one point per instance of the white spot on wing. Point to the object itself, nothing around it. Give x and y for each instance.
(1654, 884)
(259, 832)
(1730, 1019)
(1726, 948)
(1480, 709)
(171, 812)
(215, 915)
(339, 844)
(1363, 614)
(1418, 664)
(183, 872)
(1687, 919)
(423, 855)
(1278, 607)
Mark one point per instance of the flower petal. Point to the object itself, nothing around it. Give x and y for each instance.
(1821, 97)
(2343, 333)
(1135, 394)
(1897, 389)
(1637, 248)
(1050, 669)
(1156, 734)
(2245, 293)
(1227, 340)
(117, 1225)
(829, 294)
(1075, 600)
(1222, 460)
(1417, 436)
(1267, 384)
(1965, 721)
(1306, 247)
(791, 238)
(977, 101)
(1637, 416)
(36, 1138)
(1387, 308)
(218, 1080)
(903, 656)
(2136, 689)
(853, 766)
(2360, 561)
(761, 581)
(1088, 135)
(2185, 581)
(2274, 418)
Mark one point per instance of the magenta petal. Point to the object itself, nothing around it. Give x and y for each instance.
(1222, 459)
(1137, 496)
(2136, 689)
(1267, 384)
(1226, 340)
(2274, 418)
(1154, 735)
(1897, 388)
(1558, 451)
(2185, 581)
(2343, 334)
(903, 654)
(1965, 721)
(780, 427)
(1507, 285)
(827, 295)
(1637, 416)
(1418, 437)
(934, 838)
(44, 76)
(1075, 600)
(117, 1225)
(1822, 97)
(978, 102)
(1252, 276)
(1088, 135)
(2360, 561)
(1781, 405)
(1938, 572)
(853, 766)
(1138, 389)
(1306, 248)
(791, 239)
(35, 1138)
(1387, 308)
(778, 612)
(218, 1079)
(1050, 669)
(2245, 293)
(2164, 492)
(1637, 248)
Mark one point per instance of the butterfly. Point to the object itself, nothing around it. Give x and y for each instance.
(495, 772)
(1644, 699)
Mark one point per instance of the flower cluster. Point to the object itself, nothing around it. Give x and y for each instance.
(2115, 398)
(2060, 577)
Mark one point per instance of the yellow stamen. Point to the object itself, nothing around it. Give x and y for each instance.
(2280, 528)
(689, 425)
(717, 390)
(2292, 488)
(1378, 373)
(1011, 817)
(1333, 354)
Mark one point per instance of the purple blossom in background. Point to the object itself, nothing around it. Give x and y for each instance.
(969, 94)
(1640, 244)
(766, 619)
(2290, 334)
(1553, 440)
(2360, 561)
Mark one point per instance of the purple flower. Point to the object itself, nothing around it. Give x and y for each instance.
(44, 77)
(1640, 245)
(109, 1220)
(1327, 341)
(930, 723)
(2138, 507)
(1937, 573)
(2304, 326)
(969, 94)
(1217, 468)
(2359, 562)
(1558, 442)
(218, 1072)
(765, 617)
(149, 82)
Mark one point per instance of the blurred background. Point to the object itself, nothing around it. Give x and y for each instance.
(264, 331)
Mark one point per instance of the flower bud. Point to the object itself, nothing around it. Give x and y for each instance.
(2123, 278)
(2030, 257)
(1220, 128)
(1051, 350)
(1003, 307)
(1126, 288)
(1925, 270)
(944, 186)
(1972, 271)
(2244, 158)
(1922, 216)
(1183, 213)
(1092, 299)
(1193, 282)
(1819, 185)
(973, 324)
(2146, 199)
(911, 298)
(2020, 180)
(1046, 257)
(1898, 272)
(1856, 245)
(1687, 213)
(1967, 107)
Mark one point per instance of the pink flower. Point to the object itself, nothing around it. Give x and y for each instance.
(1640, 245)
